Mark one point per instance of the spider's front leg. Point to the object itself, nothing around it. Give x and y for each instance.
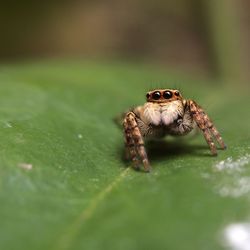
(134, 142)
(206, 125)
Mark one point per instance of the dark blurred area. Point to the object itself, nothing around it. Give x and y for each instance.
(211, 37)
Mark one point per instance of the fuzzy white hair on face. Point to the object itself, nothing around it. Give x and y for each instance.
(152, 114)
(171, 112)
(166, 114)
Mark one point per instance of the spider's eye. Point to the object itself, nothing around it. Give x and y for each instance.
(147, 95)
(156, 95)
(177, 93)
(167, 94)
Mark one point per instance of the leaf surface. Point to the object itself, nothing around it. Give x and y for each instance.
(64, 184)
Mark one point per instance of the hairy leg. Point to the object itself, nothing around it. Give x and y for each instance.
(215, 132)
(207, 127)
(138, 143)
(130, 146)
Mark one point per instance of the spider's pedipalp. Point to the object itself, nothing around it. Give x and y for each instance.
(135, 141)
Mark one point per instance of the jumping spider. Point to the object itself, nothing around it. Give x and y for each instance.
(166, 112)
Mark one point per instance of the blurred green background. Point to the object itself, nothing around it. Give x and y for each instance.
(66, 70)
(207, 36)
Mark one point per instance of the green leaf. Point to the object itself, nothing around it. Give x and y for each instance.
(64, 185)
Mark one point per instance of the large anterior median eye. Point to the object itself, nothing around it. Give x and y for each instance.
(167, 94)
(156, 95)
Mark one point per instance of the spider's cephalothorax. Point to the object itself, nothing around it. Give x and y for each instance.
(165, 112)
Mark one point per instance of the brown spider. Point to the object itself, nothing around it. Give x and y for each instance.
(166, 112)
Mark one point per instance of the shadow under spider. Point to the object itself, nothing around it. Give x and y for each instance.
(170, 149)
(163, 149)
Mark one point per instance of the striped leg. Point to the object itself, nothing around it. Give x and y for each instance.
(209, 140)
(207, 127)
(130, 146)
(215, 133)
(138, 143)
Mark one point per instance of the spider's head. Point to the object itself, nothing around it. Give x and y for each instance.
(163, 95)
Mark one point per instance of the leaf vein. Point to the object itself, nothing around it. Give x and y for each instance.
(70, 234)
